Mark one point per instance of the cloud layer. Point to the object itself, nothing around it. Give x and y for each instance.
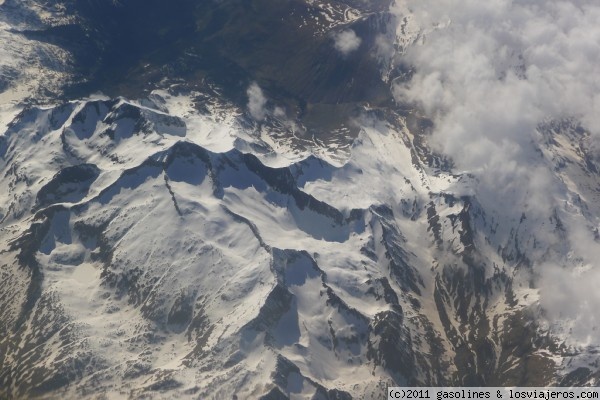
(494, 70)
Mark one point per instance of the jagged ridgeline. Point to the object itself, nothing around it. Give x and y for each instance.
(174, 270)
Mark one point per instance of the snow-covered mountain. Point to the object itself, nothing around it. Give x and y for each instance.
(269, 237)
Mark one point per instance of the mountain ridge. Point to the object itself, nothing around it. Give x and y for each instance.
(183, 177)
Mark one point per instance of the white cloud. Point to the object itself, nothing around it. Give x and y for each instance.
(256, 102)
(494, 70)
(346, 41)
(572, 297)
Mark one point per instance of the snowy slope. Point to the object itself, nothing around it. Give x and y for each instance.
(142, 256)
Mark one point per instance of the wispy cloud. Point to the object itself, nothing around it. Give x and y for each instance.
(346, 41)
(257, 102)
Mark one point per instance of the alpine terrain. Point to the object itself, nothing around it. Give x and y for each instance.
(273, 199)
